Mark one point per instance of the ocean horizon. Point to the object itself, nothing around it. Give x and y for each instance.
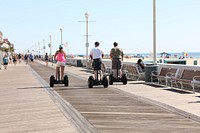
(172, 54)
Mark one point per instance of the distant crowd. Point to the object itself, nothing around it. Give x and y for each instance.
(14, 58)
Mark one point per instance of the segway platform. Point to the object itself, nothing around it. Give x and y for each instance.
(92, 82)
(54, 81)
(123, 79)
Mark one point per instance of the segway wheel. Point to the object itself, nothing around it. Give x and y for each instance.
(105, 82)
(52, 80)
(66, 80)
(124, 79)
(90, 82)
(111, 79)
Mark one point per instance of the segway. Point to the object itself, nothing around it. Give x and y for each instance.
(122, 79)
(53, 80)
(92, 82)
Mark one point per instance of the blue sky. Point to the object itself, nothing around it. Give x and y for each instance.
(128, 22)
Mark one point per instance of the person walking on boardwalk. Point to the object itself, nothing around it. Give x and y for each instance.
(19, 58)
(46, 59)
(60, 56)
(26, 58)
(116, 55)
(14, 59)
(31, 57)
(96, 55)
(5, 60)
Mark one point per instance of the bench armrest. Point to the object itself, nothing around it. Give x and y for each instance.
(171, 75)
(125, 71)
(196, 78)
(178, 76)
(154, 73)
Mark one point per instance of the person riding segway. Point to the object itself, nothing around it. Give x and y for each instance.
(96, 55)
(60, 56)
(116, 55)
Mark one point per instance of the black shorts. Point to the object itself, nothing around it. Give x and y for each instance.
(97, 64)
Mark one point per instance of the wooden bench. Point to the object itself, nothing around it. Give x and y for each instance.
(164, 75)
(196, 81)
(190, 77)
(89, 65)
(132, 72)
(105, 69)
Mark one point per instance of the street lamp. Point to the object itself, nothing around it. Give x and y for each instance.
(50, 45)
(44, 46)
(61, 30)
(87, 44)
(154, 32)
(39, 49)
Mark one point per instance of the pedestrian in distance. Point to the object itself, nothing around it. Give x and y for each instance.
(14, 59)
(31, 57)
(10, 58)
(19, 58)
(26, 58)
(60, 57)
(96, 55)
(5, 60)
(116, 55)
(46, 59)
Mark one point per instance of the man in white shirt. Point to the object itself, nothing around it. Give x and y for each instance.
(96, 54)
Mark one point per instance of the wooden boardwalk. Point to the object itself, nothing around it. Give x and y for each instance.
(25, 106)
(109, 111)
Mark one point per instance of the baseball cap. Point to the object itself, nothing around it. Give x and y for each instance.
(60, 47)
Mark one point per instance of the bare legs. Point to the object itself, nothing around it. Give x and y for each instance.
(115, 73)
(46, 63)
(97, 75)
(62, 72)
(57, 73)
(58, 76)
(5, 66)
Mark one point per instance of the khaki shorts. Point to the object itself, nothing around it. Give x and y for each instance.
(59, 64)
(116, 63)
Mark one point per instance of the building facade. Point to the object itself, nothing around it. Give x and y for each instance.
(1, 37)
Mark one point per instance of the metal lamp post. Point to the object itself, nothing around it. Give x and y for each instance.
(50, 44)
(61, 30)
(39, 49)
(154, 32)
(44, 46)
(87, 44)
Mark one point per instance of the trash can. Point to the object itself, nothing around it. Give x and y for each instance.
(195, 62)
(79, 63)
(148, 69)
